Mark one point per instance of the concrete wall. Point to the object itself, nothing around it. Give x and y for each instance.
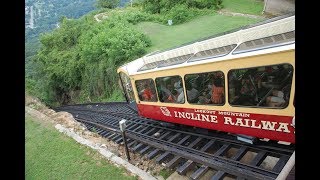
(279, 7)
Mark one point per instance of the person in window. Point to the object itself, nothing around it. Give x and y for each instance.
(173, 96)
(180, 98)
(192, 93)
(217, 91)
(205, 98)
(164, 92)
(178, 86)
(147, 94)
(179, 91)
(168, 93)
(276, 100)
(286, 91)
(245, 93)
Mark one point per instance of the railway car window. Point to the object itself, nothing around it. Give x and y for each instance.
(216, 52)
(266, 42)
(146, 90)
(170, 89)
(205, 88)
(267, 86)
(126, 84)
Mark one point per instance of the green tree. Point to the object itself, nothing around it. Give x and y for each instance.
(105, 47)
(152, 6)
(107, 3)
(163, 6)
(59, 61)
(78, 60)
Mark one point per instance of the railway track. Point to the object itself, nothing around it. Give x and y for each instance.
(214, 155)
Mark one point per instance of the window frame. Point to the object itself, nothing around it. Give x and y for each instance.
(262, 107)
(235, 52)
(183, 88)
(224, 88)
(155, 90)
(129, 94)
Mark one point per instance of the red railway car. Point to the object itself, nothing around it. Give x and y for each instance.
(241, 82)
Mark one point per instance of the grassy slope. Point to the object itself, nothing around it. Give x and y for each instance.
(163, 37)
(244, 6)
(51, 155)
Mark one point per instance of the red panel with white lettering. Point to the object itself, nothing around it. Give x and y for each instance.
(259, 125)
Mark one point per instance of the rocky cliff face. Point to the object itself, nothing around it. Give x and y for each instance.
(35, 10)
(43, 15)
(48, 12)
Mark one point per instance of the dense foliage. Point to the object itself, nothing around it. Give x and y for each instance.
(108, 3)
(179, 11)
(78, 61)
(162, 6)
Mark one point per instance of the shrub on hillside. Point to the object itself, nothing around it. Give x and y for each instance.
(107, 3)
(179, 14)
(202, 4)
(163, 6)
(134, 16)
(103, 49)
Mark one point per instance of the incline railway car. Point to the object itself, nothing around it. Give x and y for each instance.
(241, 82)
